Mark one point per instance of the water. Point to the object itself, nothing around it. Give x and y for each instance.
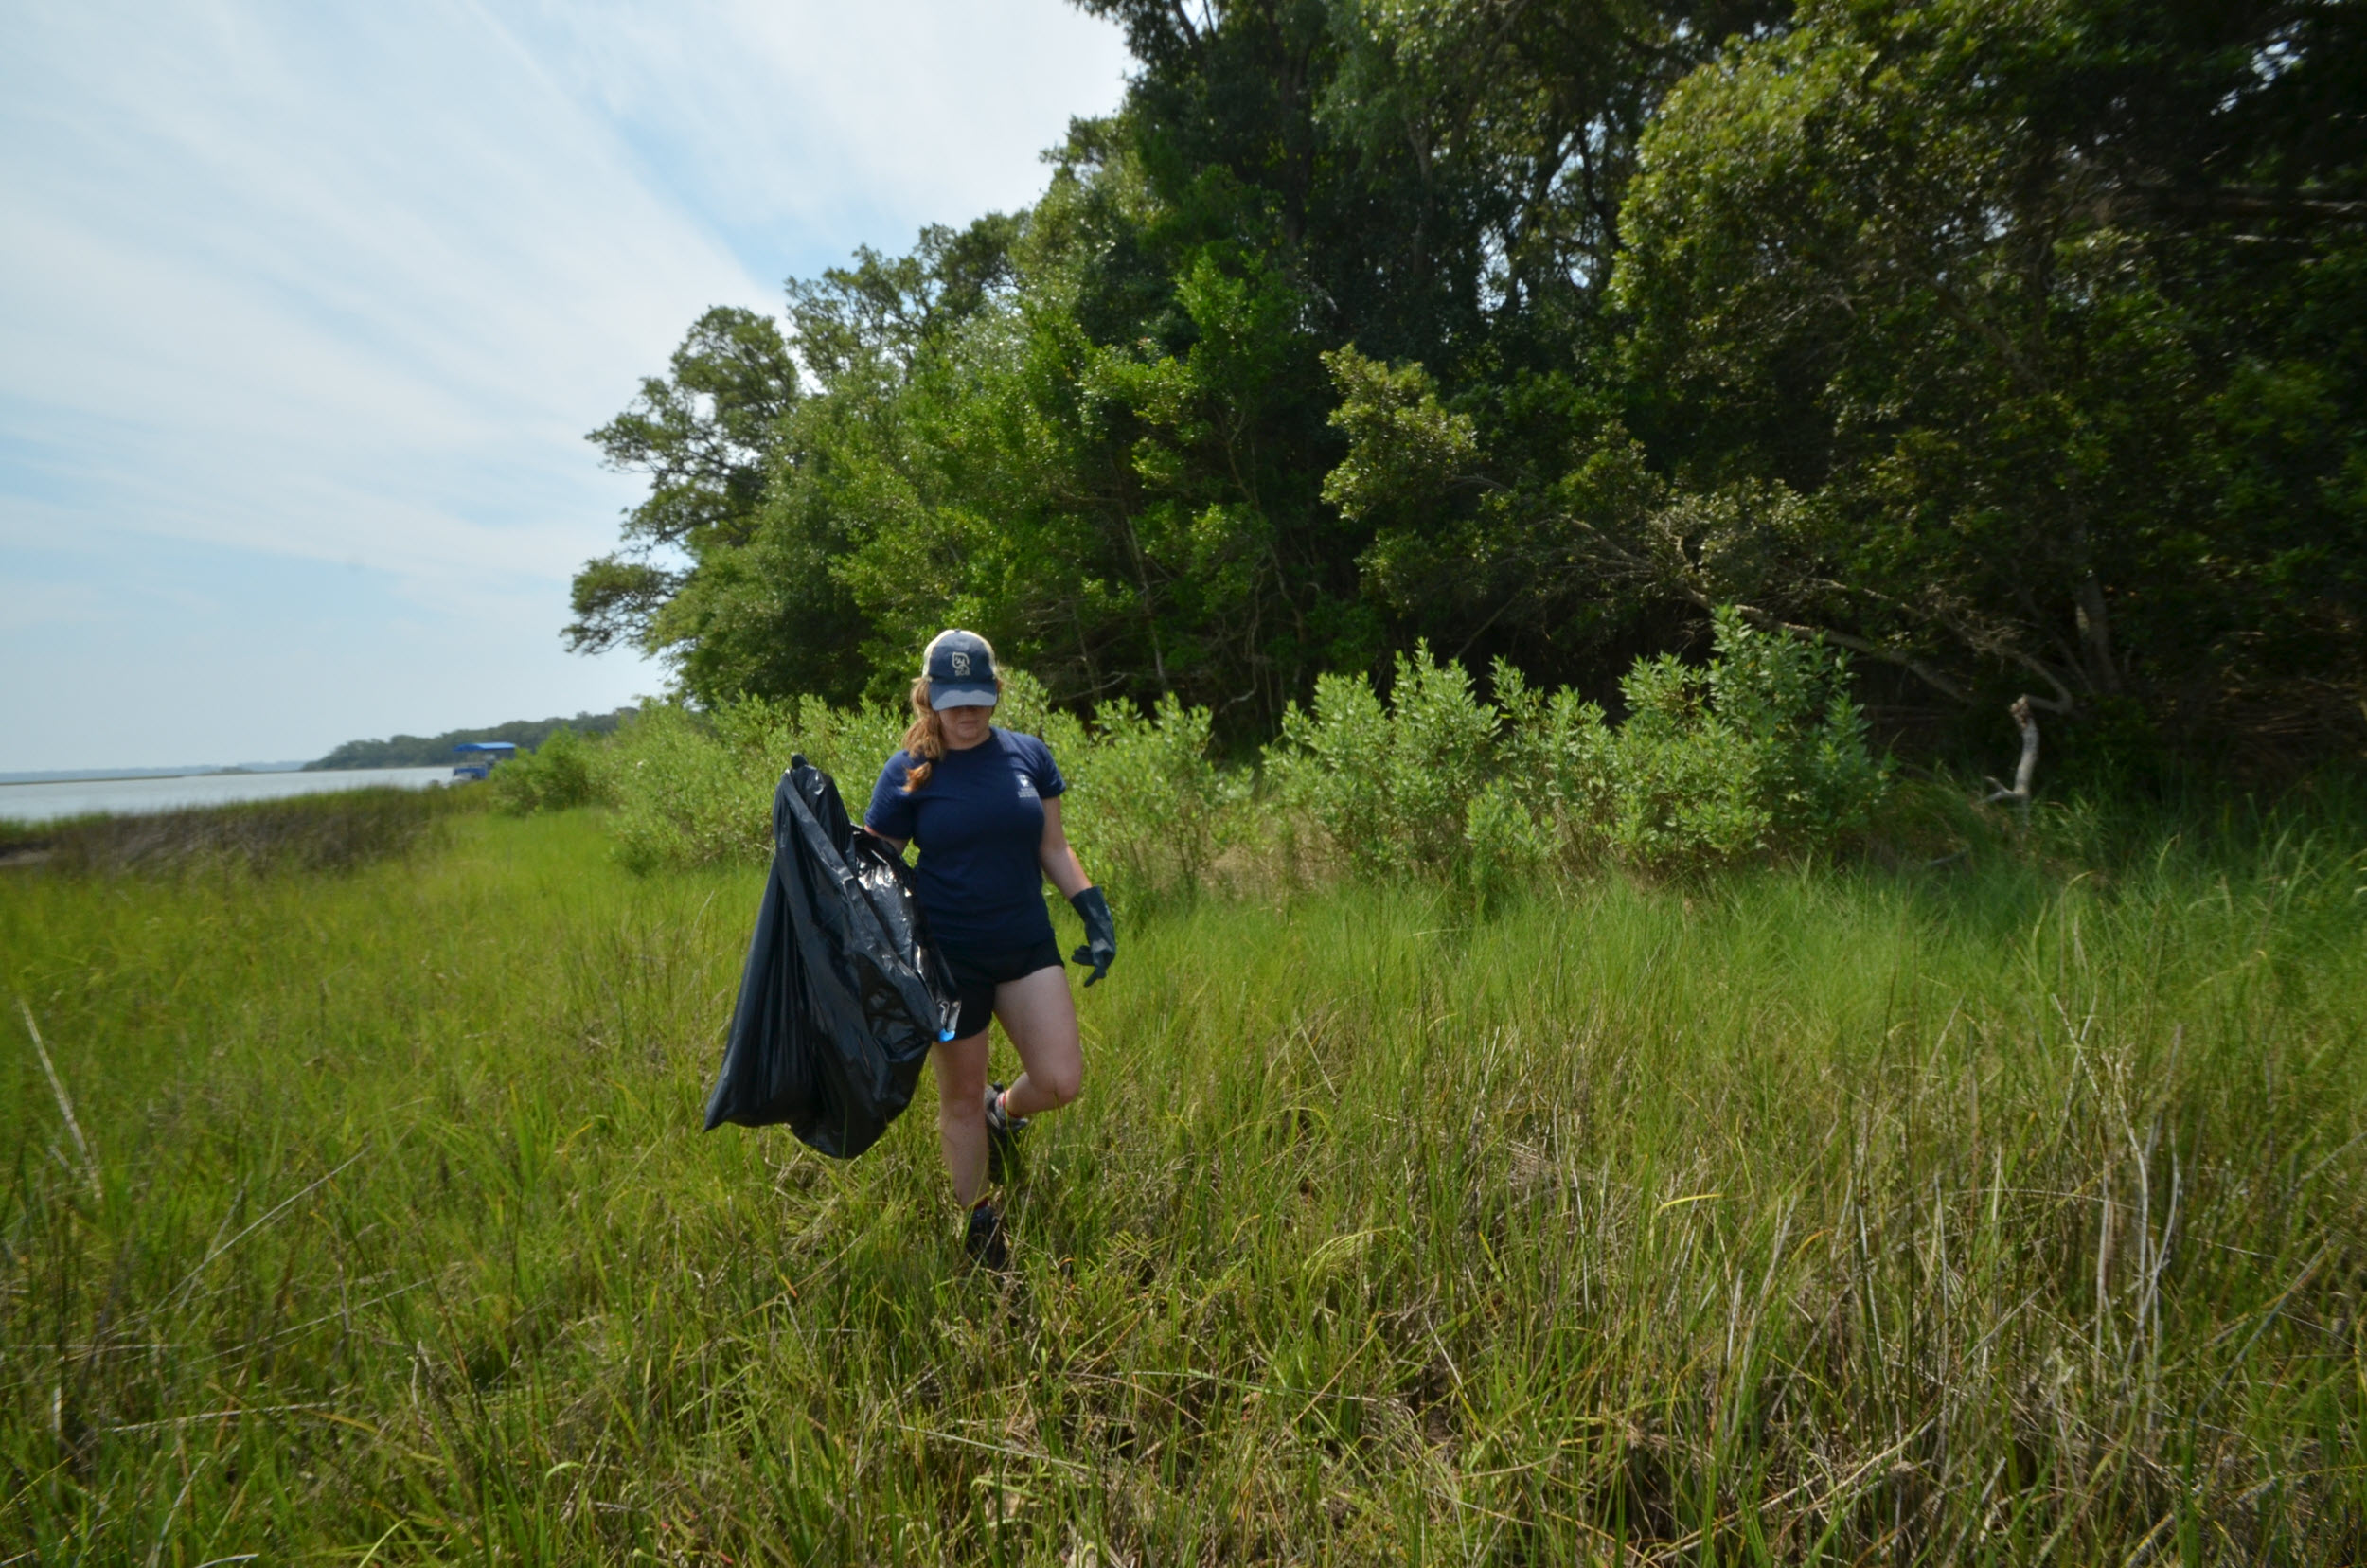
(55, 798)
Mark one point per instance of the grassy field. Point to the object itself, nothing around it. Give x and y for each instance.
(1989, 1214)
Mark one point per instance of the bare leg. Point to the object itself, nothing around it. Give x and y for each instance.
(1040, 1018)
(961, 1073)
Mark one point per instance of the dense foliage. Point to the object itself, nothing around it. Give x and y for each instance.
(2014, 345)
(562, 772)
(1760, 753)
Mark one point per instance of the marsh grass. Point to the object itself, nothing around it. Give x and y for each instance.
(2001, 1214)
(330, 832)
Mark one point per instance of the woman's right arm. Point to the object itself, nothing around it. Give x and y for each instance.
(889, 818)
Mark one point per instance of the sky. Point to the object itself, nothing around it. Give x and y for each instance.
(305, 310)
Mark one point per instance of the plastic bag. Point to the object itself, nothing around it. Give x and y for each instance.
(843, 994)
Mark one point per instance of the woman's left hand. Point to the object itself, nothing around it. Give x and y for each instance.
(1101, 932)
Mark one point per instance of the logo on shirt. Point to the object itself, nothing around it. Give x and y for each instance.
(1026, 788)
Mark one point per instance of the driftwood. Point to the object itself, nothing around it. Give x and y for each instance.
(2026, 771)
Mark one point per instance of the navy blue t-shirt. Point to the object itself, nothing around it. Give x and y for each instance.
(979, 826)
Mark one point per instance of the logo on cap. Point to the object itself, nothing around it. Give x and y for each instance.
(961, 664)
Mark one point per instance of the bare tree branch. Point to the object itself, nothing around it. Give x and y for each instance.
(1913, 665)
(2026, 771)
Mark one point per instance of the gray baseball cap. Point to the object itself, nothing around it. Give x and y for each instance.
(961, 672)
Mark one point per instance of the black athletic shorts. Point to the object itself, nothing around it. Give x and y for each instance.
(978, 970)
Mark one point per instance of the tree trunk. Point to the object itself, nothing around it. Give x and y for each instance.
(2095, 631)
(2026, 770)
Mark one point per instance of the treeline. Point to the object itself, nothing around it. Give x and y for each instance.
(2016, 348)
(417, 751)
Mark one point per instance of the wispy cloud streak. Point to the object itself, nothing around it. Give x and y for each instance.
(345, 286)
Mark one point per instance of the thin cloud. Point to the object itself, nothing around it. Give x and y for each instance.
(931, 109)
(345, 286)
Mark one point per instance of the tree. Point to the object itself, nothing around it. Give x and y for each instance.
(1933, 302)
(2013, 344)
(2016, 345)
(704, 436)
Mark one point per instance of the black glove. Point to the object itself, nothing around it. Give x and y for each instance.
(1101, 932)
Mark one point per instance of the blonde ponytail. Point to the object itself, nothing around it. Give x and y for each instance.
(925, 740)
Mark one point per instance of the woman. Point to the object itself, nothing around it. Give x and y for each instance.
(984, 805)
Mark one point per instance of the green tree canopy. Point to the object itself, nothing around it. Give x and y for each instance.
(1962, 322)
(2014, 345)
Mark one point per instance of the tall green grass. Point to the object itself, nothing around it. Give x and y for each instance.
(335, 831)
(2005, 1213)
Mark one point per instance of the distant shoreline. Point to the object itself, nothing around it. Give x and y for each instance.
(35, 802)
(115, 776)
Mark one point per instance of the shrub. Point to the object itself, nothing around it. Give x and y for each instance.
(696, 789)
(1554, 758)
(1760, 751)
(1149, 809)
(1507, 844)
(562, 772)
(1391, 788)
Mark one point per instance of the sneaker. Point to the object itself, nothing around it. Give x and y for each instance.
(984, 1241)
(1003, 1133)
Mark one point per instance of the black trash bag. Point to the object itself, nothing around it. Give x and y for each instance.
(843, 993)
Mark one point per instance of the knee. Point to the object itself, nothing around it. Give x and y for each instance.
(961, 1091)
(1063, 1084)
